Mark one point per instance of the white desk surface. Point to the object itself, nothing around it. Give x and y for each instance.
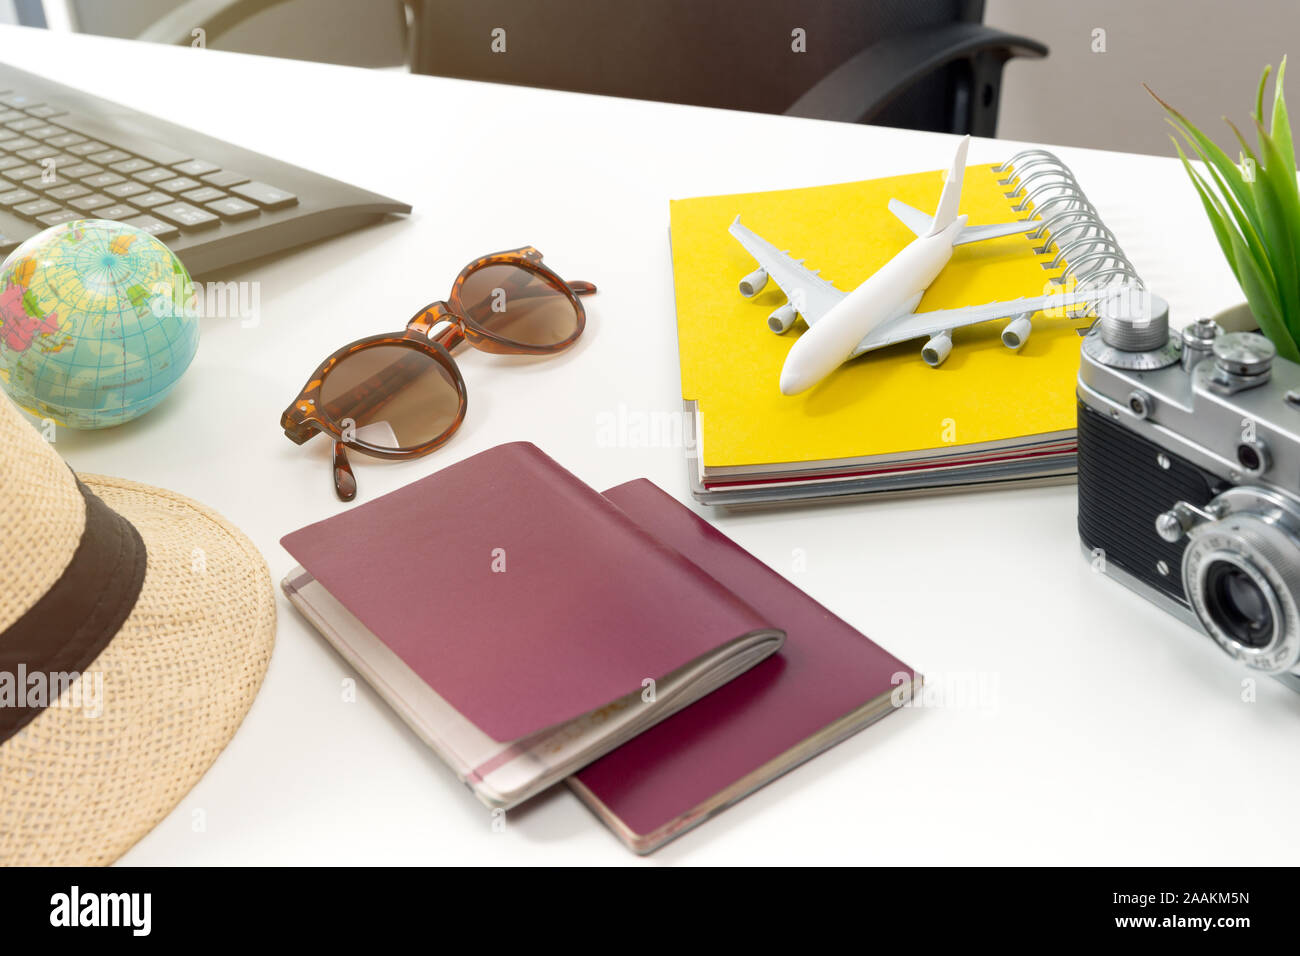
(1113, 734)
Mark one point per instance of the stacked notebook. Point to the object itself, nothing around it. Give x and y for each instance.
(885, 422)
(529, 629)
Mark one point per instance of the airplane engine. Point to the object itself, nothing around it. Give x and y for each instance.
(936, 349)
(753, 283)
(1017, 332)
(781, 320)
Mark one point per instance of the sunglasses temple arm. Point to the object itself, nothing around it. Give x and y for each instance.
(345, 483)
(580, 287)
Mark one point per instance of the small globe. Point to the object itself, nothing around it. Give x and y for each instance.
(98, 321)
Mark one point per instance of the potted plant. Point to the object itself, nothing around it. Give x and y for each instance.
(1254, 208)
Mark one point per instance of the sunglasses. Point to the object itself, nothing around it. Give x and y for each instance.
(400, 395)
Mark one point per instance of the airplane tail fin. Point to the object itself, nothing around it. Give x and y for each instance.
(946, 214)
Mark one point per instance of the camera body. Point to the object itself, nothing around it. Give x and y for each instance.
(1189, 478)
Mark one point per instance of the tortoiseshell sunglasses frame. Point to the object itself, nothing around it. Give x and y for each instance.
(306, 415)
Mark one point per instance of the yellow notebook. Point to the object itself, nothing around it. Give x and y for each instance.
(886, 402)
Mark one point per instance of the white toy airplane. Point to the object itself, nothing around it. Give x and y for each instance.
(881, 311)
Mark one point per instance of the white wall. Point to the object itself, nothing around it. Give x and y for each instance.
(1202, 56)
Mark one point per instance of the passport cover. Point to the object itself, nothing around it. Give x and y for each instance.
(827, 682)
(520, 595)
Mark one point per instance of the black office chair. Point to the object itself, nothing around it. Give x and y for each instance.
(919, 64)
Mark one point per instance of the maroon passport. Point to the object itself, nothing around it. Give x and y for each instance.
(520, 622)
(826, 683)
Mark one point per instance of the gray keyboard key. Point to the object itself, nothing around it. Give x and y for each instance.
(127, 189)
(44, 111)
(149, 149)
(131, 166)
(37, 207)
(153, 175)
(20, 142)
(93, 201)
(108, 156)
(19, 173)
(224, 178)
(204, 194)
(101, 180)
(233, 208)
(46, 132)
(268, 197)
(117, 211)
(7, 134)
(38, 152)
(9, 162)
(195, 167)
(8, 115)
(40, 184)
(54, 218)
(24, 124)
(64, 140)
(15, 196)
(185, 215)
(154, 226)
(19, 101)
(86, 147)
(150, 199)
(64, 193)
(81, 169)
(179, 184)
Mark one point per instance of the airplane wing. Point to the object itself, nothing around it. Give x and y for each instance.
(996, 231)
(810, 294)
(921, 224)
(914, 325)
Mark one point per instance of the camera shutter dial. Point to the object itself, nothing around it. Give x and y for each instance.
(1133, 338)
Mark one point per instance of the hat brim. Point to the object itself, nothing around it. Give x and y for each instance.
(79, 787)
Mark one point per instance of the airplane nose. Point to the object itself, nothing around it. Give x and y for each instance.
(793, 381)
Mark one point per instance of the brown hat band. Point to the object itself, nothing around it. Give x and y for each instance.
(65, 630)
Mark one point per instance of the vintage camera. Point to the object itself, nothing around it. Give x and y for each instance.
(1189, 477)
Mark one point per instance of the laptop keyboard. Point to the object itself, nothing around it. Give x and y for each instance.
(50, 173)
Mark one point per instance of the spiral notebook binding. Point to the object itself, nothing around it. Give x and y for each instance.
(1072, 230)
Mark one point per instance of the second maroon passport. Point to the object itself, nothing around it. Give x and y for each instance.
(827, 682)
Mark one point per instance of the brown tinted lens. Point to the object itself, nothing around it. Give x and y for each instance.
(519, 305)
(396, 397)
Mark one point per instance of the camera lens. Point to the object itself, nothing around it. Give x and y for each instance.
(1238, 605)
(1241, 575)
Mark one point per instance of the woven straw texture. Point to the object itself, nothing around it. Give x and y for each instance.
(78, 789)
(41, 512)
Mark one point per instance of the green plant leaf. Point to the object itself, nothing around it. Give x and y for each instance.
(1256, 223)
(1266, 311)
(1212, 155)
(1255, 284)
(1275, 233)
(1213, 211)
(1279, 202)
(1237, 198)
(1281, 126)
(1259, 95)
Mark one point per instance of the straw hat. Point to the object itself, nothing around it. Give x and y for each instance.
(135, 628)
